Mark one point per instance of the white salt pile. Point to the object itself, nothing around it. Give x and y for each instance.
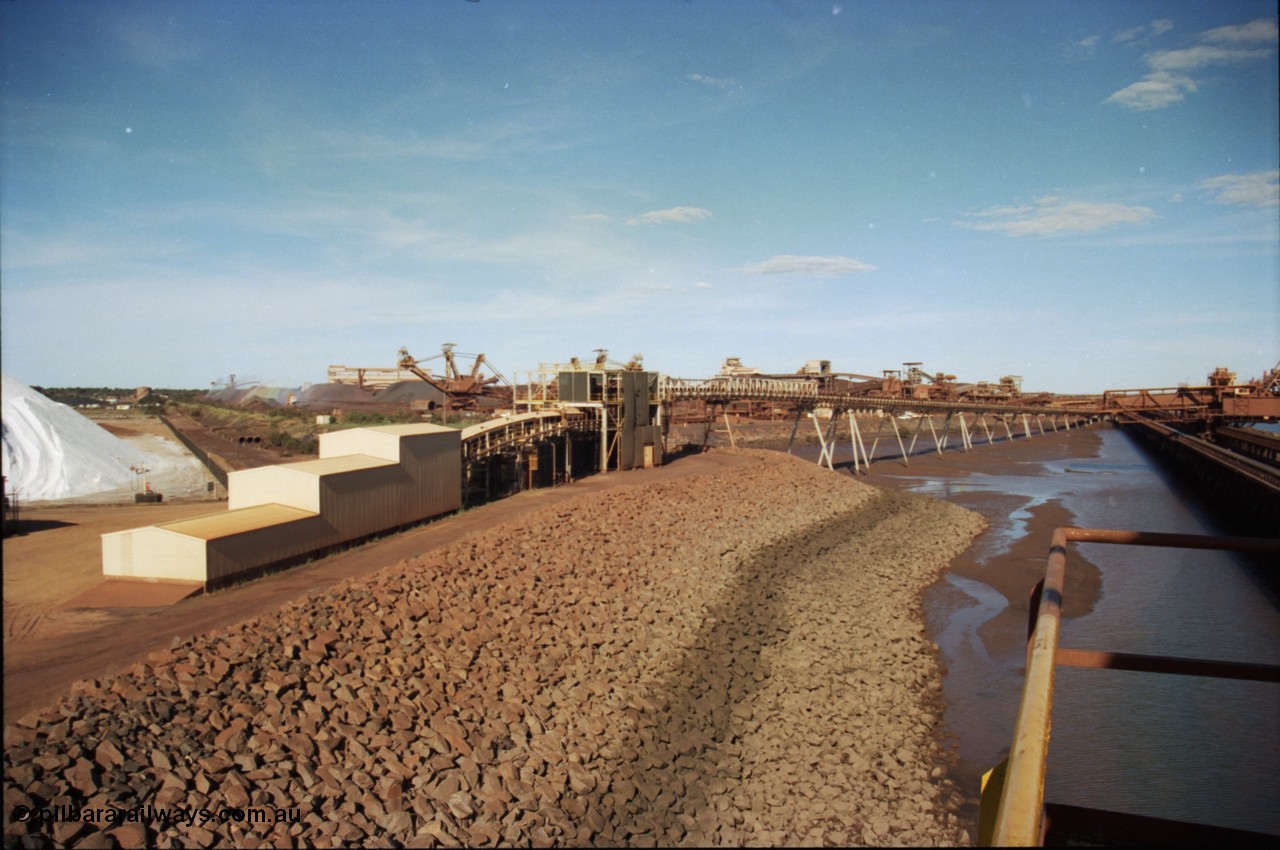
(51, 452)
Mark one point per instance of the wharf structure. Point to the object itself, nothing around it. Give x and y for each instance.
(568, 421)
(1205, 432)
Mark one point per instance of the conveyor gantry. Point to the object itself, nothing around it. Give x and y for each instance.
(807, 395)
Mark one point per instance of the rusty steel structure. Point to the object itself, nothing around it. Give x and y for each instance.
(1220, 398)
(521, 451)
(1250, 443)
(1200, 429)
(912, 382)
(808, 393)
(1224, 446)
(462, 391)
(633, 415)
(1014, 812)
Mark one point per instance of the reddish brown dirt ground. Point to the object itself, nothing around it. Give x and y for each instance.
(47, 649)
(734, 656)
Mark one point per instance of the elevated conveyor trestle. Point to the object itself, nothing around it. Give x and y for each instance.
(501, 435)
(809, 395)
(626, 413)
(521, 451)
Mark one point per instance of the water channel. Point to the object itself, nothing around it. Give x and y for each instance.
(1184, 748)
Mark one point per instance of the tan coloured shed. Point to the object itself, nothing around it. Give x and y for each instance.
(214, 548)
(367, 480)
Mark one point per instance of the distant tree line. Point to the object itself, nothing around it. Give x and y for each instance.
(81, 396)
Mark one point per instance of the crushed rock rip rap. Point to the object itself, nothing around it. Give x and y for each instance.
(732, 658)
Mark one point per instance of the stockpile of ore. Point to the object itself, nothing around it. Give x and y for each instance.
(736, 658)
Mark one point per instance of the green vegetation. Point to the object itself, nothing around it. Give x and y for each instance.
(289, 430)
(100, 397)
(360, 417)
(289, 444)
(80, 396)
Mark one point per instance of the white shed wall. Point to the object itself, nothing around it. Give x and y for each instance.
(268, 485)
(153, 553)
(360, 441)
(353, 499)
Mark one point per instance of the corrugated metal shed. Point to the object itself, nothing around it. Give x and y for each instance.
(293, 484)
(367, 480)
(234, 522)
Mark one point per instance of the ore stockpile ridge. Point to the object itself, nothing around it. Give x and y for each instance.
(734, 658)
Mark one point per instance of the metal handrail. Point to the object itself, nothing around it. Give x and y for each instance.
(1019, 818)
(498, 435)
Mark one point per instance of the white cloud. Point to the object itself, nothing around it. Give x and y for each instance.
(1156, 27)
(677, 215)
(714, 82)
(810, 266)
(1167, 82)
(1190, 58)
(1261, 31)
(1259, 189)
(1129, 34)
(1053, 216)
(1153, 91)
(22, 252)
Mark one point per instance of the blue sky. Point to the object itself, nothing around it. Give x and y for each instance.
(1080, 193)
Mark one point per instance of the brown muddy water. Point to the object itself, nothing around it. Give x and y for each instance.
(1185, 748)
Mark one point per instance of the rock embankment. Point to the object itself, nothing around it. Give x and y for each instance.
(737, 658)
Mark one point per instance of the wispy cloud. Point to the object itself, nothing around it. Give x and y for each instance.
(156, 41)
(1154, 91)
(1259, 189)
(794, 264)
(1082, 49)
(1167, 82)
(674, 215)
(1261, 31)
(714, 82)
(1054, 216)
(23, 253)
(492, 139)
(1191, 58)
(1156, 27)
(1198, 317)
